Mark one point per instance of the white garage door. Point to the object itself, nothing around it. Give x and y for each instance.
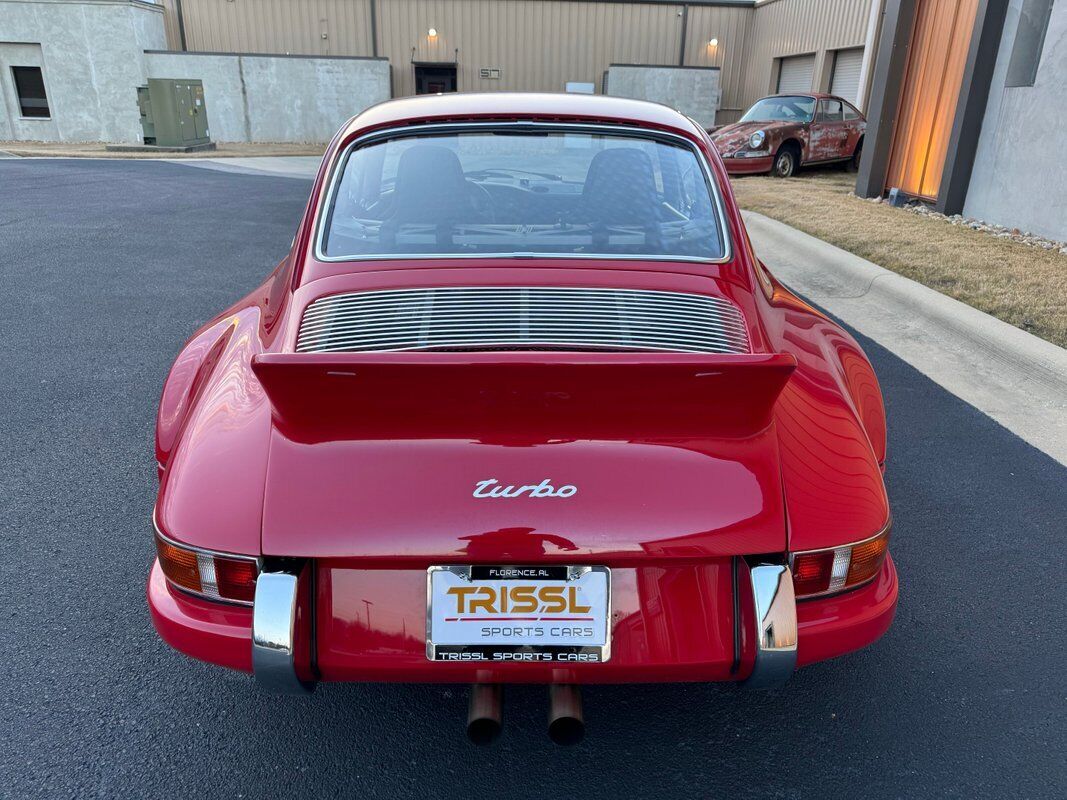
(845, 82)
(795, 74)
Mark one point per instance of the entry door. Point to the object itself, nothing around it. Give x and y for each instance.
(435, 79)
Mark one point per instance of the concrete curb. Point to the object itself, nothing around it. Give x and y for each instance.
(1014, 377)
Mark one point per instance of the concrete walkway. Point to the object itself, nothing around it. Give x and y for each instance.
(303, 167)
(1012, 376)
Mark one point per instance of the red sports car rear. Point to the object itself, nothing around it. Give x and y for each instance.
(520, 405)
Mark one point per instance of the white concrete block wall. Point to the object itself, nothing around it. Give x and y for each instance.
(1020, 175)
(264, 98)
(91, 56)
(694, 91)
(221, 76)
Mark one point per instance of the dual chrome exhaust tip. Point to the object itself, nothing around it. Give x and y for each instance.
(485, 715)
(566, 725)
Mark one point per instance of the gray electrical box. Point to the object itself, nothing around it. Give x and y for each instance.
(173, 113)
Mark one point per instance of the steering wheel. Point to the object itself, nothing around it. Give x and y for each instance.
(481, 201)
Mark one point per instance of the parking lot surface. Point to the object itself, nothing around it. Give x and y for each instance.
(107, 266)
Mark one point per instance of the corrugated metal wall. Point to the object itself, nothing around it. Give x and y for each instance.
(793, 27)
(937, 57)
(299, 27)
(729, 28)
(537, 44)
(170, 24)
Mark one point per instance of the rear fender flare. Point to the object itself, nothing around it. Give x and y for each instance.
(185, 382)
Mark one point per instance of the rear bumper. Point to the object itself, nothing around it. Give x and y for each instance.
(832, 626)
(659, 637)
(748, 166)
(214, 632)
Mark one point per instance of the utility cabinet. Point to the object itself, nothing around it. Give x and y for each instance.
(173, 112)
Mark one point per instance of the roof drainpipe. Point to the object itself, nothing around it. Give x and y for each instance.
(870, 51)
(181, 23)
(685, 32)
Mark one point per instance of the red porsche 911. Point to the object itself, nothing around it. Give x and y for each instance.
(520, 405)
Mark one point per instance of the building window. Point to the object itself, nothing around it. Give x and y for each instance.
(29, 86)
(1029, 40)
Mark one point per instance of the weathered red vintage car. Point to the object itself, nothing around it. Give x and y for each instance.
(778, 134)
(521, 405)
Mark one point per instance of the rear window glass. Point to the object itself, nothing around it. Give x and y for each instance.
(558, 193)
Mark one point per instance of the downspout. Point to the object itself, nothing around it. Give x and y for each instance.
(181, 23)
(870, 52)
(374, 28)
(685, 32)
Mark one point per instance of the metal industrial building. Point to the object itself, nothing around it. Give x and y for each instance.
(542, 45)
(964, 98)
(294, 70)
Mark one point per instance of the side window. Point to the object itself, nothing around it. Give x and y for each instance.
(829, 111)
(29, 86)
(1029, 42)
(851, 113)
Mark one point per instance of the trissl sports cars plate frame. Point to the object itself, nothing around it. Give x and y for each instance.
(548, 614)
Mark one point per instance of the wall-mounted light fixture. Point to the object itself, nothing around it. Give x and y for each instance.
(432, 33)
(713, 43)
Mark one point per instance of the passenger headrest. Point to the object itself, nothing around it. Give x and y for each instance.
(620, 187)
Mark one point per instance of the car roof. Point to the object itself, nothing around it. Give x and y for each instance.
(507, 106)
(814, 95)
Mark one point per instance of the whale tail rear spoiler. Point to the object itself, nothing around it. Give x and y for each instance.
(520, 395)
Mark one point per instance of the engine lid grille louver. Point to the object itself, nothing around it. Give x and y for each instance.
(521, 318)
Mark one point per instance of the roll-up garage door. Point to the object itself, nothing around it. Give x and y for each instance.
(845, 82)
(795, 74)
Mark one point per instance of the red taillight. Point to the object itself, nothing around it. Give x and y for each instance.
(811, 572)
(212, 575)
(821, 572)
(236, 579)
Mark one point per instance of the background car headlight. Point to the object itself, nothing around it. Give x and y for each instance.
(835, 569)
(755, 141)
(216, 576)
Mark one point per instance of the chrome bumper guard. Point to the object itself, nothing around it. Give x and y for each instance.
(279, 631)
(776, 626)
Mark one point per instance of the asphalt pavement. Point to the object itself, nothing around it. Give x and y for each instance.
(107, 266)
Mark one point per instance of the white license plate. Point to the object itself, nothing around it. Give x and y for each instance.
(518, 613)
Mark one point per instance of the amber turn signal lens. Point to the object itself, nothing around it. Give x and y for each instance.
(212, 575)
(179, 565)
(824, 572)
(867, 558)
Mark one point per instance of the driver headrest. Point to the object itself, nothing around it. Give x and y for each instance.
(429, 184)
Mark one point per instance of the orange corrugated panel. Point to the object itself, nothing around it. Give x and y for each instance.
(941, 39)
